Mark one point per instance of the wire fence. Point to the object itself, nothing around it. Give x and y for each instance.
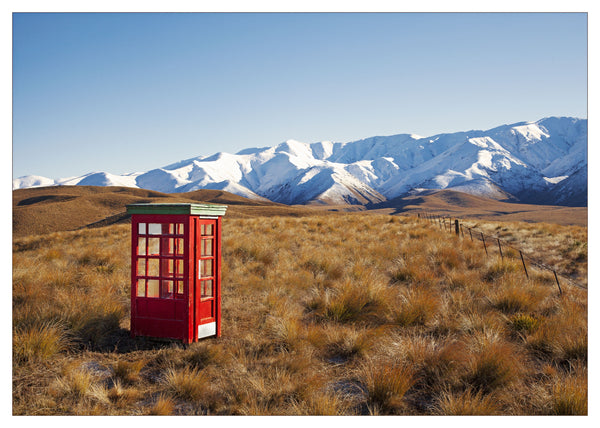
(455, 227)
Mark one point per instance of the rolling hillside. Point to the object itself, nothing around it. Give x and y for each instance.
(61, 208)
(52, 209)
(464, 205)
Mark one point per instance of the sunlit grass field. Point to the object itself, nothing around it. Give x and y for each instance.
(346, 314)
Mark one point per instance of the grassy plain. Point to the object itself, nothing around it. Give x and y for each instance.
(340, 314)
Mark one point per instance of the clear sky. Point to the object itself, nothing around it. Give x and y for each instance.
(132, 92)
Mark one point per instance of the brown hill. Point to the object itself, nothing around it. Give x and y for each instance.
(51, 209)
(226, 198)
(464, 205)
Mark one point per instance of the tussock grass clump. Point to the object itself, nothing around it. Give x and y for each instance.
(493, 364)
(436, 363)
(401, 272)
(269, 391)
(523, 323)
(353, 301)
(323, 266)
(446, 255)
(255, 251)
(39, 342)
(202, 354)
(286, 332)
(163, 406)
(323, 404)
(501, 268)
(511, 297)
(187, 384)
(549, 341)
(459, 279)
(128, 372)
(339, 344)
(570, 398)
(98, 258)
(473, 323)
(76, 383)
(416, 307)
(386, 383)
(569, 393)
(562, 335)
(121, 396)
(467, 403)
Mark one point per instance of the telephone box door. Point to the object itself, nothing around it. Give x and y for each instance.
(207, 279)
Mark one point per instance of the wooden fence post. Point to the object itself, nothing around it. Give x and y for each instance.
(484, 246)
(523, 261)
(500, 248)
(456, 227)
(557, 283)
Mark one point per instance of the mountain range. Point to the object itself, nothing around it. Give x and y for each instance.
(543, 162)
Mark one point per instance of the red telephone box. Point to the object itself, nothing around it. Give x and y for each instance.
(176, 270)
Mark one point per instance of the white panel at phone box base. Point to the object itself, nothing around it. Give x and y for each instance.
(205, 330)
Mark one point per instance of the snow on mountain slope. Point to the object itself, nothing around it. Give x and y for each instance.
(478, 161)
(32, 181)
(531, 160)
(550, 145)
(103, 179)
(91, 179)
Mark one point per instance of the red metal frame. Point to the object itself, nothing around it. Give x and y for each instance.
(175, 276)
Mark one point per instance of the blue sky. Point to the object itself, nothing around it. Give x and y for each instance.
(131, 92)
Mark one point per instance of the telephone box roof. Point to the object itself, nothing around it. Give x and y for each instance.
(191, 209)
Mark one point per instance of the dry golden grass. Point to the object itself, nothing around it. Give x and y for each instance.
(128, 372)
(467, 403)
(164, 406)
(39, 342)
(187, 383)
(569, 393)
(562, 247)
(344, 314)
(386, 383)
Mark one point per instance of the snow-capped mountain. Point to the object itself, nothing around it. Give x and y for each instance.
(543, 161)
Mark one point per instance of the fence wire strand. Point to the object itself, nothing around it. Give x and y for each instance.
(433, 218)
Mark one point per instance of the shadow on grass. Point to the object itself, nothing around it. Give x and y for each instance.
(103, 334)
